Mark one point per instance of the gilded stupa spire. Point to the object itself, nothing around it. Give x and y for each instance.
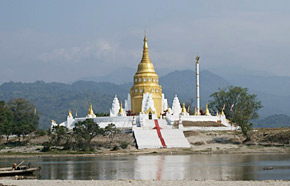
(91, 112)
(145, 65)
(121, 110)
(206, 110)
(183, 108)
(195, 111)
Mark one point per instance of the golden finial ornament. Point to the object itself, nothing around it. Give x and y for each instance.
(197, 59)
(217, 113)
(91, 112)
(206, 110)
(69, 113)
(183, 108)
(222, 113)
(195, 112)
(121, 110)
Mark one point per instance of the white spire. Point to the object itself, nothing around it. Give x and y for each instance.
(176, 108)
(197, 85)
(115, 107)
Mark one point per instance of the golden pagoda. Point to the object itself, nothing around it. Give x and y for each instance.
(146, 81)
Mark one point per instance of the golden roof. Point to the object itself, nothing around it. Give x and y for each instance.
(145, 65)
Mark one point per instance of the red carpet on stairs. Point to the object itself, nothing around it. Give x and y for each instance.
(157, 127)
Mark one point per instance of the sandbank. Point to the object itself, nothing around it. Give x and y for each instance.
(139, 182)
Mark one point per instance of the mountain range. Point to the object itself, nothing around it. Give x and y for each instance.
(53, 100)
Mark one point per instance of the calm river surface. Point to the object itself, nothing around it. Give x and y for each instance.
(162, 167)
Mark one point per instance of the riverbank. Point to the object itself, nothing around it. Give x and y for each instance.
(202, 142)
(139, 182)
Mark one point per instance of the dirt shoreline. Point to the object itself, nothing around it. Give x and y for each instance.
(139, 182)
(205, 149)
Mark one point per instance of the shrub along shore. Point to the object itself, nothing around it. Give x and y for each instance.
(211, 142)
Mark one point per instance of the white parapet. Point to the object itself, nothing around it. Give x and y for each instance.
(202, 118)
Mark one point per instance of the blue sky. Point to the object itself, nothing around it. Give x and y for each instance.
(65, 40)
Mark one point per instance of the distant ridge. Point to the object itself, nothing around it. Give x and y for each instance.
(54, 99)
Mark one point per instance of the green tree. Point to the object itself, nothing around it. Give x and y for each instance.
(6, 119)
(58, 135)
(85, 131)
(240, 106)
(25, 118)
(111, 131)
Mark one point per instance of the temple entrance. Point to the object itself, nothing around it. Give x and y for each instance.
(150, 115)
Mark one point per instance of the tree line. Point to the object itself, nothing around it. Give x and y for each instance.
(80, 138)
(17, 117)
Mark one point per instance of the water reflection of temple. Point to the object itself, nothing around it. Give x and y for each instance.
(153, 167)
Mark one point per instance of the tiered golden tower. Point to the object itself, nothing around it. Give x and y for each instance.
(146, 80)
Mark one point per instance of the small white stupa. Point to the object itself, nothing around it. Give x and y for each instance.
(69, 120)
(115, 107)
(128, 103)
(164, 104)
(176, 108)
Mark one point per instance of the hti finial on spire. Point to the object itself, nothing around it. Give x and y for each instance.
(197, 58)
(145, 42)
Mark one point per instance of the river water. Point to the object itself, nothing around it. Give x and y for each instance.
(162, 167)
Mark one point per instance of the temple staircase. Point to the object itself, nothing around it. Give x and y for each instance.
(156, 136)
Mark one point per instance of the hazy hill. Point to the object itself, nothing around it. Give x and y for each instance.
(54, 99)
(273, 121)
(275, 85)
(183, 84)
(119, 76)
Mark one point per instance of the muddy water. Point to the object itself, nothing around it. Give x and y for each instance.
(162, 167)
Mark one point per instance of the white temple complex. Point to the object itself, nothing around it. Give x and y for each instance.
(146, 112)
